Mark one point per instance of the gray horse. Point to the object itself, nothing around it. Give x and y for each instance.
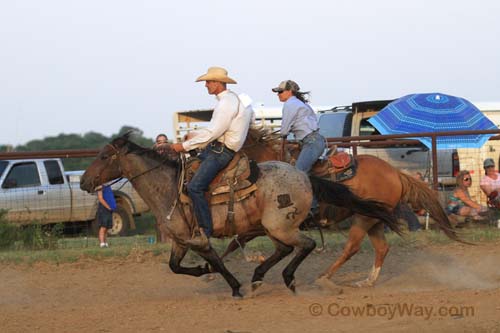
(278, 206)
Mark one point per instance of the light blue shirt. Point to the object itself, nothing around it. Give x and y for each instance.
(298, 118)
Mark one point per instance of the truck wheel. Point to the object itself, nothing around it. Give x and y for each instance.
(121, 221)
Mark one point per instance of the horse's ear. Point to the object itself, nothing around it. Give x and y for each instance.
(120, 141)
(123, 139)
(128, 133)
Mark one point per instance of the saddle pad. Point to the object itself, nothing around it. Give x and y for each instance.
(340, 160)
(224, 197)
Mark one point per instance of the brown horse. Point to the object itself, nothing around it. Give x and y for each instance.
(375, 179)
(265, 211)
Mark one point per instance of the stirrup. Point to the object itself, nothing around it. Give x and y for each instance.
(199, 241)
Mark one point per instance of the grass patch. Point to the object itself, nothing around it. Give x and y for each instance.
(74, 249)
(68, 250)
(8, 235)
(30, 237)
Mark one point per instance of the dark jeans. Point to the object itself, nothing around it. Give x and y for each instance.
(213, 159)
(403, 211)
(104, 217)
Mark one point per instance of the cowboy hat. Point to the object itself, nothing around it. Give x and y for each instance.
(218, 74)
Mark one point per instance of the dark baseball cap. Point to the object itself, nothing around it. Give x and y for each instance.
(488, 162)
(287, 85)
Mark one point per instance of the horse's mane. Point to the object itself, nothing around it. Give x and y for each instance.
(263, 134)
(257, 135)
(170, 157)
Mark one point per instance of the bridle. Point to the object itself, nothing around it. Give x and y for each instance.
(116, 156)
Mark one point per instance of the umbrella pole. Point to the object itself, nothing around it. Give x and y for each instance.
(434, 163)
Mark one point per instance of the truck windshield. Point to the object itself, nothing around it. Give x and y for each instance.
(3, 165)
(332, 125)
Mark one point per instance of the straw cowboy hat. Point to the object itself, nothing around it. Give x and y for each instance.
(218, 74)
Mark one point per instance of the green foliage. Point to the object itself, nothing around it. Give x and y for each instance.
(6, 148)
(90, 140)
(37, 237)
(8, 232)
(32, 237)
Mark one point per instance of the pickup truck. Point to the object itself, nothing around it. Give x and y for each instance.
(39, 191)
(352, 120)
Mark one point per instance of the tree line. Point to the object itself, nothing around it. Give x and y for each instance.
(89, 140)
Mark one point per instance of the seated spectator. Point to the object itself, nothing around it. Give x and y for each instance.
(460, 202)
(490, 183)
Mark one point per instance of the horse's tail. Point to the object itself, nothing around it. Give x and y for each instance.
(419, 195)
(340, 195)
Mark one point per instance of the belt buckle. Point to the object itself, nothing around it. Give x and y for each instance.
(219, 146)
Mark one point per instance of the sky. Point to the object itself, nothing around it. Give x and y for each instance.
(69, 66)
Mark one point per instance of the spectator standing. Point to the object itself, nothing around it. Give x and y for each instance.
(107, 205)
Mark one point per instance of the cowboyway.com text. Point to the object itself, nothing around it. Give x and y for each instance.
(390, 311)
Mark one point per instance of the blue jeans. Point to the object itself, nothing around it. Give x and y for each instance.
(313, 146)
(213, 159)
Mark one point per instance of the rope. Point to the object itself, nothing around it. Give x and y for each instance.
(180, 183)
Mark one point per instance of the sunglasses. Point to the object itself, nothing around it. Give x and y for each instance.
(280, 92)
(466, 179)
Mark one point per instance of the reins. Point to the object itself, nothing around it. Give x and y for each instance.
(180, 179)
(117, 153)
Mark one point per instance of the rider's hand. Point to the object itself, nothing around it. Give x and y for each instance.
(190, 135)
(178, 147)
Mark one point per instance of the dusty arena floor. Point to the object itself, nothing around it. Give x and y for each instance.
(448, 288)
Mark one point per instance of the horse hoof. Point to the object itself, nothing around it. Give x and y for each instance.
(364, 283)
(291, 286)
(325, 283)
(237, 295)
(209, 277)
(256, 284)
(208, 268)
(320, 249)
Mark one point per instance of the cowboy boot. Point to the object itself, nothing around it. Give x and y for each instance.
(199, 241)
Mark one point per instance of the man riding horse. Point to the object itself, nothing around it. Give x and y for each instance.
(220, 140)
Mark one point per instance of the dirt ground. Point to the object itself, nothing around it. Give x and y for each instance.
(448, 288)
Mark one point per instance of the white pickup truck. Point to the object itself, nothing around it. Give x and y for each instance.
(39, 191)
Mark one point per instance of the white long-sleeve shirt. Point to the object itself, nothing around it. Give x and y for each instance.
(229, 124)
